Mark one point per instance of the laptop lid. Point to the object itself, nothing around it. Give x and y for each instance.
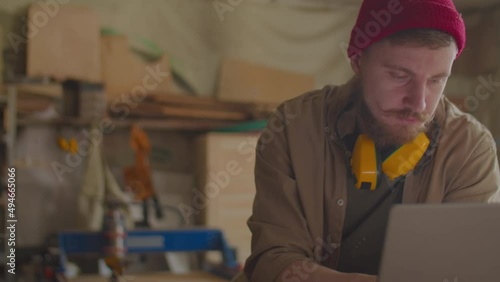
(442, 243)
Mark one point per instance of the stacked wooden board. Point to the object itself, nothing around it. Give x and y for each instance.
(189, 110)
(245, 81)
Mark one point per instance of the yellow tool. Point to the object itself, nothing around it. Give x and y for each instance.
(68, 145)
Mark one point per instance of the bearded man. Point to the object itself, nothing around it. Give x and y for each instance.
(339, 158)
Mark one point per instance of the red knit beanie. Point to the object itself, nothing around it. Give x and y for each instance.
(378, 19)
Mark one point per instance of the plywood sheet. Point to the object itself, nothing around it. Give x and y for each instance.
(226, 171)
(125, 73)
(247, 82)
(64, 43)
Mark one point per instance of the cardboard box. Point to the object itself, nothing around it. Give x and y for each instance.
(226, 179)
(247, 82)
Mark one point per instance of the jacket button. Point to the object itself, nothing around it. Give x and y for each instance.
(340, 202)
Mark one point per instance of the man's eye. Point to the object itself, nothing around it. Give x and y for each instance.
(438, 80)
(399, 75)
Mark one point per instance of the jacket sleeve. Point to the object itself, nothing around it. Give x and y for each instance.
(478, 179)
(279, 230)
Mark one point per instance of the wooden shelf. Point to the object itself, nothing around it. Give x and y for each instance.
(154, 124)
(57, 121)
(158, 111)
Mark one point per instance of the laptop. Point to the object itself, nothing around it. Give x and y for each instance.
(442, 243)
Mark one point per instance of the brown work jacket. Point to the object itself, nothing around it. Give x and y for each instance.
(301, 167)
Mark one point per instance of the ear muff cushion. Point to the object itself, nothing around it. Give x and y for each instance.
(364, 163)
(404, 159)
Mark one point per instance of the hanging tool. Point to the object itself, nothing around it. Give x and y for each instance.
(138, 177)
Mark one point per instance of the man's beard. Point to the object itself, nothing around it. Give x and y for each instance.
(385, 135)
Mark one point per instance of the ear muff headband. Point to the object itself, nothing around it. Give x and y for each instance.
(366, 165)
(404, 159)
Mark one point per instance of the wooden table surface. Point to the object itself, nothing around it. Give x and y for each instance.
(154, 277)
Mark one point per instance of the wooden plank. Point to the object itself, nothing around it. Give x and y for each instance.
(29, 106)
(53, 90)
(253, 110)
(30, 103)
(66, 45)
(178, 124)
(186, 99)
(200, 102)
(155, 277)
(151, 110)
(155, 124)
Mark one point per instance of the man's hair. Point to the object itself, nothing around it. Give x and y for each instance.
(422, 37)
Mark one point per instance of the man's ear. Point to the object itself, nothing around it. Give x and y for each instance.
(356, 62)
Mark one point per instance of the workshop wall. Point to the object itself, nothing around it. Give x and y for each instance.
(476, 75)
(197, 37)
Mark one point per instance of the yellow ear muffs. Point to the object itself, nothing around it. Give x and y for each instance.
(366, 165)
(404, 159)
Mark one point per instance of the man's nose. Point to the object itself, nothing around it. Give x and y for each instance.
(415, 98)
